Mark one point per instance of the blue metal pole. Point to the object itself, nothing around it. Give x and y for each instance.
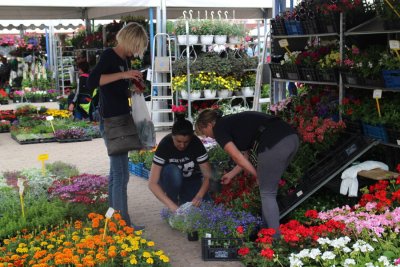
(151, 30)
(47, 48)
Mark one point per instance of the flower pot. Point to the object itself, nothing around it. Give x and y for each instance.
(210, 93)
(193, 236)
(220, 39)
(193, 39)
(248, 91)
(181, 39)
(234, 40)
(223, 93)
(184, 94)
(206, 39)
(238, 92)
(195, 94)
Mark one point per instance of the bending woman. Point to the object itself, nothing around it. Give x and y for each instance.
(275, 142)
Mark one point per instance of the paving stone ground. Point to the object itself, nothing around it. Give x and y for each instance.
(144, 208)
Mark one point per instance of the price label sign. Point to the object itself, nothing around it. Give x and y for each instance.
(283, 43)
(149, 73)
(43, 157)
(21, 189)
(377, 94)
(49, 118)
(394, 44)
(110, 213)
(20, 182)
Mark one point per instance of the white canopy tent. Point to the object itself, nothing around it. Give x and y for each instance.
(105, 9)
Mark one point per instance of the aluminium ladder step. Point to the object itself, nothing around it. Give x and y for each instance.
(163, 97)
(161, 84)
(162, 110)
(163, 124)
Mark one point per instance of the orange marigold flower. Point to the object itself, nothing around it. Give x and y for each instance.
(112, 253)
(92, 215)
(96, 223)
(78, 225)
(117, 216)
(122, 223)
(124, 253)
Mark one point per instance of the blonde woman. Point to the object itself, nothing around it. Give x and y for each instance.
(114, 77)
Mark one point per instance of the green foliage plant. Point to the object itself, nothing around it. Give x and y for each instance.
(39, 213)
(206, 27)
(221, 27)
(61, 169)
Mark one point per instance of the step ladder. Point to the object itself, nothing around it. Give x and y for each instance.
(162, 98)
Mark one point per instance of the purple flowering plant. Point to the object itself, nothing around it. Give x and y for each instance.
(73, 133)
(217, 220)
(84, 188)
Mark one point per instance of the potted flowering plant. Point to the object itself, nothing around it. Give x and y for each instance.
(289, 64)
(3, 97)
(180, 31)
(206, 31)
(71, 135)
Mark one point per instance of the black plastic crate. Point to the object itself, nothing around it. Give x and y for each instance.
(277, 71)
(308, 73)
(328, 23)
(287, 200)
(328, 75)
(393, 136)
(352, 79)
(292, 72)
(309, 26)
(220, 249)
(278, 27)
(345, 149)
(353, 126)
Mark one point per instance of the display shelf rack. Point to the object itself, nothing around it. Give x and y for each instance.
(303, 81)
(355, 147)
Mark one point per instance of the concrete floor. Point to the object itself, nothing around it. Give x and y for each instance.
(144, 208)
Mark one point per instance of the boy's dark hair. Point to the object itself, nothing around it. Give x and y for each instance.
(182, 126)
(84, 66)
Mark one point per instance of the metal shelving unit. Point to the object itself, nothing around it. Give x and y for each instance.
(371, 27)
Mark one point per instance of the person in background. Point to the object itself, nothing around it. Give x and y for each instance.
(180, 171)
(5, 69)
(113, 76)
(273, 141)
(292, 88)
(83, 95)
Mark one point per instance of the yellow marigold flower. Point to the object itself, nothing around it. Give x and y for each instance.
(164, 258)
(143, 241)
(150, 243)
(133, 261)
(146, 254)
(44, 243)
(50, 246)
(150, 261)
(159, 252)
(124, 246)
(75, 238)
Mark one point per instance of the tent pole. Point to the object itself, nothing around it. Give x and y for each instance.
(151, 30)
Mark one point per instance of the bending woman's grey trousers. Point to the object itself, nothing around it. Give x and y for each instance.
(271, 164)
